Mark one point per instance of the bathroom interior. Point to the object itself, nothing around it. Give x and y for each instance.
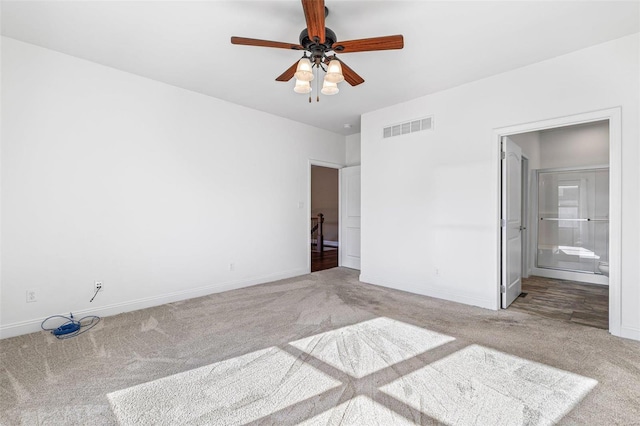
(566, 214)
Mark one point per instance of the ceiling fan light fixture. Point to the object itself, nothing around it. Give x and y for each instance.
(303, 71)
(302, 86)
(329, 88)
(334, 72)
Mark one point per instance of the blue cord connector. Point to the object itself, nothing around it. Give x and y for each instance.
(71, 328)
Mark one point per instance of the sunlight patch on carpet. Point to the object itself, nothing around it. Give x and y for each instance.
(364, 348)
(360, 410)
(234, 391)
(472, 386)
(477, 386)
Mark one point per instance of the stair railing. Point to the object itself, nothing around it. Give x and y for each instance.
(317, 235)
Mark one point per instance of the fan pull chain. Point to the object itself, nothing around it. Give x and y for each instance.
(317, 92)
(310, 90)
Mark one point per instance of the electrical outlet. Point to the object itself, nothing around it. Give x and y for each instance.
(32, 296)
(98, 286)
(437, 272)
(232, 266)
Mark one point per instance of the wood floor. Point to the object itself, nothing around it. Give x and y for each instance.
(586, 304)
(326, 260)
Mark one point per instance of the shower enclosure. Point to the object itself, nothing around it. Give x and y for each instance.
(573, 222)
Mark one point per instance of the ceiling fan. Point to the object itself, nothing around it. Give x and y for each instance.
(318, 42)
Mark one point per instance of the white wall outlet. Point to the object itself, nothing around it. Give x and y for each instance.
(437, 272)
(98, 286)
(232, 266)
(300, 204)
(32, 296)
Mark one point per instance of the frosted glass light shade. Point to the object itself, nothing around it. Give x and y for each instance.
(302, 86)
(329, 88)
(334, 72)
(303, 71)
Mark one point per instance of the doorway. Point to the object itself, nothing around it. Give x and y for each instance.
(324, 221)
(577, 225)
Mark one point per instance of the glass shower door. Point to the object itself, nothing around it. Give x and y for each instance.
(573, 212)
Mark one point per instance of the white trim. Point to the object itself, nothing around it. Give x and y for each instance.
(629, 333)
(324, 164)
(560, 274)
(615, 199)
(30, 326)
(320, 163)
(429, 291)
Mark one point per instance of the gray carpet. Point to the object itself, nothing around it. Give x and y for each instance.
(321, 349)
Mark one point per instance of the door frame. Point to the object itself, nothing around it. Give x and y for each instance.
(308, 209)
(613, 115)
(508, 226)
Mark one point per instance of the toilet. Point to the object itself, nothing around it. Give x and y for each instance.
(604, 268)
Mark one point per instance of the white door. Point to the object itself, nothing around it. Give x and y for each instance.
(350, 217)
(511, 280)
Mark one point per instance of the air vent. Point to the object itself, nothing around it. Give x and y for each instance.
(407, 127)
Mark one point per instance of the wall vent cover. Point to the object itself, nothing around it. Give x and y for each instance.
(417, 125)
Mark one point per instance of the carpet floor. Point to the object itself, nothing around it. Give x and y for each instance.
(322, 349)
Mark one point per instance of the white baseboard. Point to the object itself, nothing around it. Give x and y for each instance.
(438, 293)
(33, 325)
(630, 333)
(571, 276)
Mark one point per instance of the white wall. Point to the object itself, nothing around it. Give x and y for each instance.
(430, 199)
(530, 144)
(152, 189)
(575, 146)
(352, 149)
(571, 146)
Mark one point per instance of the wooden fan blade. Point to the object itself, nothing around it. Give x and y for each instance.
(265, 43)
(368, 44)
(314, 14)
(288, 74)
(350, 76)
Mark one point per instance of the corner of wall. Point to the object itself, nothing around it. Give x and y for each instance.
(352, 150)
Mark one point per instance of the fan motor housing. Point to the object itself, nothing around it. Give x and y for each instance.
(316, 49)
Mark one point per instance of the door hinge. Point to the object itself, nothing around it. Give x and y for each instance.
(503, 223)
(503, 155)
(503, 289)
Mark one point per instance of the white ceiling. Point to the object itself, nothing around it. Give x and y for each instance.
(186, 44)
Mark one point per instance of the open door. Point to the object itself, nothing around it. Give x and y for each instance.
(350, 217)
(325, 217)
(511, 222)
